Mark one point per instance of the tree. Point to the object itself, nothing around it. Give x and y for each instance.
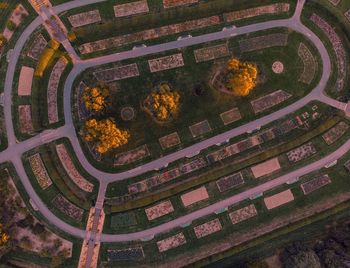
(105, 133)
(96, 98)
(163, 102)
(4, 237)
(242, 77)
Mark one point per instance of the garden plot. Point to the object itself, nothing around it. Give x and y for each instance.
(40, 171)
(301, 152)
(200, 128)
(211, 53)
(85, 18)
(176, 3)
(72, 172)
(243, 214)
(256, 11)
(169, 141)
(338, 48)
(154, 181)
(266, 168)
(83, 113)
(315, 184)
(194, 196)
(229, 182)
(131, 156)
(37, 47)
(25, 81)
(347, 15)
(309, 62)
(207, 228)
(117, 73)
(132, 8)
(159, 210)
(126, 219)
(125, 254)
(268, 101)
(279, 199)
(25, 119)
(166, 63)
(334, 2)
(335, 132)
(230, 116)
(262, 42)
(171, 242)
(68, 208)
(54, 80)
(18, 14)
(148, 34)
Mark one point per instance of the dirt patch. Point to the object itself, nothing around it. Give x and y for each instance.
(279, 199)
(25, 81)
(200, 128)
(211, 53)
(266, 167)
(159, 210)
(166, 63)
(194, 196)
(132, 8)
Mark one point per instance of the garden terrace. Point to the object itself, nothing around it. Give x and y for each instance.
(231, 116)
(131, 156)
(129, 9)
(335, 133)
(166, 63)
(207, 228)
(194, 196)
(243, 214)
(279, 199)
(301, 152)
(72, 172)
(68, 208)
(338, 48)
(171, 242)
(37, 47)
(310, 64)
(256, 11)
(159, 210)
(40, 171)
(125, 254)
(315, 184)
(211, 53)
(117, 73)
(200, 128)
(266, 168)
(169, 141)
(176, 3)
(25, 119)
(52, 88)
(262, 42)
(166, 176)
(147, 34)
(25, 81)
(228, 182)
(85, 18)
(266, 102)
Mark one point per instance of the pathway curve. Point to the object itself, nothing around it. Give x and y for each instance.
(16, 149)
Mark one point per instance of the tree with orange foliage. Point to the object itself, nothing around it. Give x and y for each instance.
(96, 98)
(242, 77)
(105, 133)
(163, 102)
(4, 237)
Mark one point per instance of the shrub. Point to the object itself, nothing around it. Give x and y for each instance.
(11, 25)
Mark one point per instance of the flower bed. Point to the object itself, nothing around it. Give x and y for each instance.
(176, 3)
(125, 254)
(207, 228)
(131, 8)
(229, 182)
(131, 156)
(200, 128)
(169, 141)
(117, 73)
(37, 48)
(85, 18)
(68, 208)
(166, 63)
(315, 184)
(211, 53)
(159, 210)
(25, 119)
(310, 64)
(40, 171)
(335, 133)
(243, 214)
(230, 116)
(72, 172)
(262, 42)
(301, 152)
(268, 101)
(171, 242)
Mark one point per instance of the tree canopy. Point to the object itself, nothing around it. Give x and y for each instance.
(96, 98)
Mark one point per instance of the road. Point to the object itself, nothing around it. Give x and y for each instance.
(15, 150)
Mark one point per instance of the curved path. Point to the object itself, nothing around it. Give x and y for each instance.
(15, 150)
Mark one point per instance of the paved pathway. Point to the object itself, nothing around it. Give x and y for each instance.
(16, 149)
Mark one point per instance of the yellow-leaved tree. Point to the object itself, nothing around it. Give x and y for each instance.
(96, 98)
(4, 237)
(105, 134)
(242, 77)
(163, 102)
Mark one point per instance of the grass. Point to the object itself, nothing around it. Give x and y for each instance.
(132, 92)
